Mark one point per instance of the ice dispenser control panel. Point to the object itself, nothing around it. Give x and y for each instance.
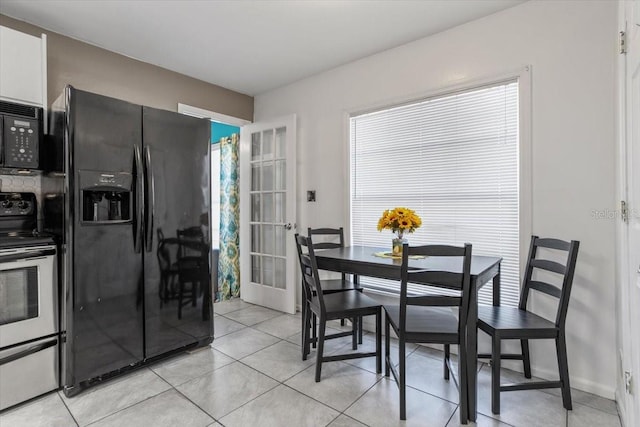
(106, 197)
(21, 139)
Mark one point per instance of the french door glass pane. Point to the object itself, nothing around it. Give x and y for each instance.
(281, 142)
(255, 177)
(267, 271)
(281, 175)
(255, 238)
(280, 203)
(267, 207)
(255, 146)
(267, 176)
(255, 269)
(255, 207)
(267, 239)
(280, 273)
(280, 240)
(267, 145)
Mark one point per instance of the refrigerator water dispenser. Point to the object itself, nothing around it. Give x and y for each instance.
(106, 196)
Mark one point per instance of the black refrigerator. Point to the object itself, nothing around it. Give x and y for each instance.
(132, 214)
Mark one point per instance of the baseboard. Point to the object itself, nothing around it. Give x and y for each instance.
(622, 410)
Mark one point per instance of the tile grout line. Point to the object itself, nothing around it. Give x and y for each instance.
(67, 407)
(132, 405)
(183, 395)
(452, 415)
(382, 377)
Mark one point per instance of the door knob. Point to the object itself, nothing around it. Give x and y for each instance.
(287, 226)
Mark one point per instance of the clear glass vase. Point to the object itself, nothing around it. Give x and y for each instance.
(396, 245)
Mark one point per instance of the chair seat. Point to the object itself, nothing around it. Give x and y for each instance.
(512, 322)
(346, 304)
(436, 325)
(337, 285)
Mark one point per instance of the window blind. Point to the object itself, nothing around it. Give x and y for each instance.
(454, 160)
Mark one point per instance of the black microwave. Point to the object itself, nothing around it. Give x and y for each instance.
(21, 135)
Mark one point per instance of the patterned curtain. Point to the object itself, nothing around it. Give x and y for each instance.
(229, 262)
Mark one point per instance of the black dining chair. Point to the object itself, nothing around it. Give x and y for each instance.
(331, 238)
(338, 305)
(167, 253)
(193, 266)
(427, 318)
(518, 323)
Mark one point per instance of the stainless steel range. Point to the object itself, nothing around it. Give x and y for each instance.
(29, 326)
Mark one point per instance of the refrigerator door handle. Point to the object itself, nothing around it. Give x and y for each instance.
(151, 199)
(138, 226)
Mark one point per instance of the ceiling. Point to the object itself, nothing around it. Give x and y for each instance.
(249, 46)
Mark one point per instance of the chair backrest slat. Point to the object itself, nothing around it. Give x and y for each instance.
(325, 230)
(325, 245)
(338, 239)
(560, 245)
(545, 288)
(566, 271)
(458, 281)
(436, 300)
(438, 250)
(552, 266)
(442, 278)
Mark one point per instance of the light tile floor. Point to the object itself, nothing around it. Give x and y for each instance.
(253, 375)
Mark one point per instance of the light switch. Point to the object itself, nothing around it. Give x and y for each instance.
(311, 195)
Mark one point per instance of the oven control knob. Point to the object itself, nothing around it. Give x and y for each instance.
(23, 205)
(6, 204)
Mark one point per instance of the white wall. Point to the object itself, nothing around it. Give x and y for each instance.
(571, 46)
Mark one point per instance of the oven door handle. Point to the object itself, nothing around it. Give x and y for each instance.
(29, 351)
(26, 255)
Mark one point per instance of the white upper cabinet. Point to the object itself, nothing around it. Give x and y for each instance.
(23, 67)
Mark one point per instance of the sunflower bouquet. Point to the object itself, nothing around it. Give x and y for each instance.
(399, 220)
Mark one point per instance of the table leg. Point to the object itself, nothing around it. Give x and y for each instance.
(355, 282)
(496, 288)
(472, 348)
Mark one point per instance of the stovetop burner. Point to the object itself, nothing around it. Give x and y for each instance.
(18, 221)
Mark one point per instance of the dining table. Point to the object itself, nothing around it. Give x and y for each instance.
(371, 262)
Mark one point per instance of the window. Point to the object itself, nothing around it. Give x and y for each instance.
(454, 160)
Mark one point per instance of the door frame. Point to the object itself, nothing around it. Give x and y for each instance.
(211, 115)
(627, 341)
(190, 110)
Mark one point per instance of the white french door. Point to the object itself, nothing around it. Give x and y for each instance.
(268, 254)
(631, 338)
